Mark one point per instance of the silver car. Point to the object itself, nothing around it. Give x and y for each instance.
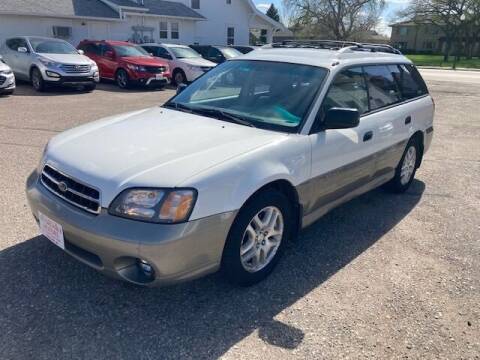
(7, 79)
(46, 61)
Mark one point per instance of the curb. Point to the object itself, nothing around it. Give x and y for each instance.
(447, 68)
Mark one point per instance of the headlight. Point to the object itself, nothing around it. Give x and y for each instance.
(6, 72)
(155, 205)
(136, 67)
(195, 68)
(48, 62)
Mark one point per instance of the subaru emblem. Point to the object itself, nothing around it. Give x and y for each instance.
(62, 186)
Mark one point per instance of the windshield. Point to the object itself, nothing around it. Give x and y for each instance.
(265, 94)
(184, 53)
(230, 52)
(46, 46)
(129, 50)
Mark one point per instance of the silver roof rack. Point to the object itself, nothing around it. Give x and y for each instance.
(336, 45)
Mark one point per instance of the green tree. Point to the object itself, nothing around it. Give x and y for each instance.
(272, 12)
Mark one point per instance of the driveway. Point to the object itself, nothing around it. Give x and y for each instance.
(384, 276)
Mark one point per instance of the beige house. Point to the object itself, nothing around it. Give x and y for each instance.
(409, 36)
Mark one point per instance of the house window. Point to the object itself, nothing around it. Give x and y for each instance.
(403, 31)
(195, 4)
(174, 32)
(229, 2)
(163, 30)
(263, 36)
(230, 36)
(62, 32)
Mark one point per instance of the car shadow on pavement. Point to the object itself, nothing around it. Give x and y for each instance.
(54, 307)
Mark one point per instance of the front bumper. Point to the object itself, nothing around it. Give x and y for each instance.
(113, 245)
(57, 76)
(7, 83)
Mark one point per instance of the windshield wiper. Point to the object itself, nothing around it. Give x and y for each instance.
(179, 107)
(223, 115)
(216, 113)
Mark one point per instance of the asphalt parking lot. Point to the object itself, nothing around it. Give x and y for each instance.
(384, 276)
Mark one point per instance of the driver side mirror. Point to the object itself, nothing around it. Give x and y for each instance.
(341, 118)
(1, 59)
(81, 52)
(22, 49)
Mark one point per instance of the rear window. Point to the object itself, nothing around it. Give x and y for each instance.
(382, 86)
(411, 82)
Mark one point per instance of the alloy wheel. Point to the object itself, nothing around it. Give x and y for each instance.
(408, 165)
(261, 239)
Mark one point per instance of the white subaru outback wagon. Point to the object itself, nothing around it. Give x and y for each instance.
(223, 174)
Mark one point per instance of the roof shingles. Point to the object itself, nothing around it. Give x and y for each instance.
(94, 8)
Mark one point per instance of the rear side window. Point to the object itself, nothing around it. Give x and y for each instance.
(382, 86)
(411, 82)
(14, 44)
(348, 90)
(90, 49)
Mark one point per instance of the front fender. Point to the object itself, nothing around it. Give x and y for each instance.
(227, 186)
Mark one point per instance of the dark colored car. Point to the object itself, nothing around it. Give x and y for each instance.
(216, 54)
(127, 63)
(245, 49)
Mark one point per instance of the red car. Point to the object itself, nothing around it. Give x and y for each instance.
(126, 63)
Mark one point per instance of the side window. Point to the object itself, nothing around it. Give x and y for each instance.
(163, 53)
(411, 82)
(348, 90)
(13, 44)
(214, 53)
(382, 87)
(91, 49)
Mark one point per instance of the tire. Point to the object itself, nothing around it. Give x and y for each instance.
(90, 88)
(246, 272)
(6, 93)
(179, 77)
(406, 169)
(37, 80)
(122, 79)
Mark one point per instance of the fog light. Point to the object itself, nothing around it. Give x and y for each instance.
(52, 74)
(146, 268)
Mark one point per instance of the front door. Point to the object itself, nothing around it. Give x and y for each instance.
(343, 160)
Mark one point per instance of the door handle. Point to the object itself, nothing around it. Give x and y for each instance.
(368, 136)
(408, 120)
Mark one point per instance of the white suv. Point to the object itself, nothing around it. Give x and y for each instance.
(185, 63)
(227, 171)
(7, 79)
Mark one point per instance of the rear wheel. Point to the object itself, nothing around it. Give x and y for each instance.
(37, 80)
(257, 238)
(406, 169)
(179, 77)
(122, 79)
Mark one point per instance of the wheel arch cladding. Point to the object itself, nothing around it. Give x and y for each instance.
(419, 138)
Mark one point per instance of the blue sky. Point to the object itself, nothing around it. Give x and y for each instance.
(391, 8)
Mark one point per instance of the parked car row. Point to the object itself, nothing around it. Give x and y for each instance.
(46, 61)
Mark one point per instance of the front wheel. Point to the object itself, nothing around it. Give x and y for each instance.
(90, 88)
(406, 169)
(122, 79)
(257, 238)
(37, 80)
(179, 77)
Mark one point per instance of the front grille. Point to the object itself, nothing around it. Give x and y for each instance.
(75, 69)
(71, 190)
(2, 80)
(155, 69)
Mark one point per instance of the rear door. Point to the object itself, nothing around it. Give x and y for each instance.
(93, 51)
(387, 115)
(107, 61)
(18, 61)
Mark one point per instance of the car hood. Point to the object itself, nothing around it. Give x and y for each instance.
(198, 62)
(76, 59)
(143, 60)
(155, 147)
(4, 66)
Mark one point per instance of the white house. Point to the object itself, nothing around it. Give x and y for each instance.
(218, 22)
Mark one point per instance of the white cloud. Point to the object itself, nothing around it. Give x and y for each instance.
(383, 28)
(263, 7)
